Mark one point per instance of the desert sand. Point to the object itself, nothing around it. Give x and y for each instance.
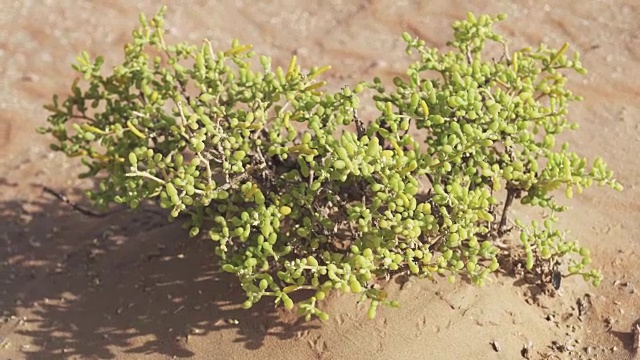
(130, 286)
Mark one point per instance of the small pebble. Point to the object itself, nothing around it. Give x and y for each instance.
(496, 346)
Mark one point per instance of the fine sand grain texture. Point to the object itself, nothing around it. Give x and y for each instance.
(130, 286)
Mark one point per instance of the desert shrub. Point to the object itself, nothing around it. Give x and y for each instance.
(296, 192)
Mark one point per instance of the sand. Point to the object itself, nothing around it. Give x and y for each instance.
(130, 286)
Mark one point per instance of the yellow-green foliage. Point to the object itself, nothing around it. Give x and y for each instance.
(204, 134)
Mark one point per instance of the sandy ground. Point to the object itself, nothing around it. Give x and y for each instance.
(129, 286)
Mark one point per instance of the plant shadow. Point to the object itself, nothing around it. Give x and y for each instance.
(74, 286)
(626, 338)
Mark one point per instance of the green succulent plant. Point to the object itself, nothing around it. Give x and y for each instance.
(263, 163)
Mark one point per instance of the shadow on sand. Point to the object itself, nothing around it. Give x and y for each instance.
(128, 280)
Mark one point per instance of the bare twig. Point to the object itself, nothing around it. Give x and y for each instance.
(75, 206)
(359, 124)
(511, 194)
(145, 175)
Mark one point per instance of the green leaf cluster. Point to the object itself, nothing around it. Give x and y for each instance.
(267, 165)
